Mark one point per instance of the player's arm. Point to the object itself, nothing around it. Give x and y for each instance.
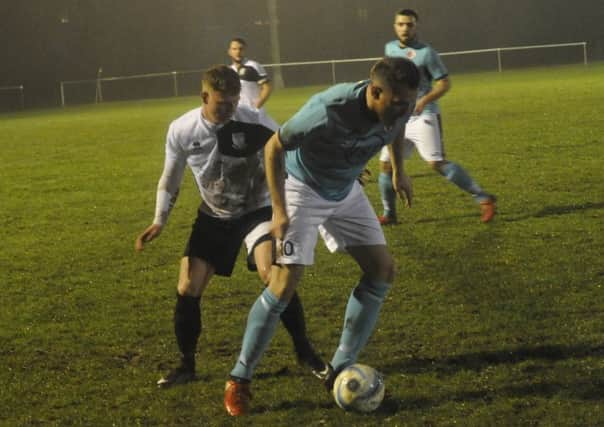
(439, 88)
(400, 181)
(274, 158)
(441, 84)
(167, 193)
(266, 88)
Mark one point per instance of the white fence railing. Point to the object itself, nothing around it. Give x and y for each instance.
(169, 83)
(19, 90)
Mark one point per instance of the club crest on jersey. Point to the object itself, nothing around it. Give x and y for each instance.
(196, 147)
(411, 53)
(238, 139)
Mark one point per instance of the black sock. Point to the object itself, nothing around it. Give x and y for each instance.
(293, 320)
(187, 327)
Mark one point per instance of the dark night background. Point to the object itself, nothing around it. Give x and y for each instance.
(47, 41)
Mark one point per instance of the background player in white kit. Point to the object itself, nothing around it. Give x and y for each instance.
(424, 130)
(256, 86)
(222, 143)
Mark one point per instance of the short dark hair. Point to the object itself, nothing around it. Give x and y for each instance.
(408, 12)
(238, 40)
(395, 72)
(221, 78)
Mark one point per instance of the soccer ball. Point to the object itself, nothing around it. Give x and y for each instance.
(359, 388)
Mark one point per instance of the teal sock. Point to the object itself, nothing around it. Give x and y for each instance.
(261, 324)
(361, 316)
(458, 176)
(388, 194)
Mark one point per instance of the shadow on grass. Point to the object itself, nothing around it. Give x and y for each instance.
(558, 210)
(483, 359)
(580, 389)
(583, 390)
(543, 213)
(297, 405)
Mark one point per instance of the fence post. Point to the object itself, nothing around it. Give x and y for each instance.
(584, 53)
(62, 94)
(175, 79)
(22, 97)
(333, 72)
(499, 60)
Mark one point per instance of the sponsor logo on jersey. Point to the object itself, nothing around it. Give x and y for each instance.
(196, 147)
(411, 53)
(239, 140)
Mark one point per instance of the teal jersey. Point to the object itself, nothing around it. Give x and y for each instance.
(332, 137)
(427, 60)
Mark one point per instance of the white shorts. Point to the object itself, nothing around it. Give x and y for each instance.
(260, 231)
(348, 222)
(424, 133)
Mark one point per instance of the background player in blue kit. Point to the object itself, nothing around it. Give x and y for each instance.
(424, 129)
(312, 165)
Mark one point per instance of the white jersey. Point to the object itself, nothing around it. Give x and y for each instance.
(227, 162)
(252, 77)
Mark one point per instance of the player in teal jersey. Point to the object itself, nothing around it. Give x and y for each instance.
(312, 165)
(424, 129)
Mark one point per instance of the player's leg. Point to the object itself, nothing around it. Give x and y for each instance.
(261, 324)
(364, 303)
(360, 235)
(293, 316)
(194, 276)
(212, 248)
(296, 251)
(387, 193)
(430, 146)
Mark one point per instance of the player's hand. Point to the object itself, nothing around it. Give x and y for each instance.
(149, 234)
(278, 229)
(419, 107)
(402, 185)
(364, 177)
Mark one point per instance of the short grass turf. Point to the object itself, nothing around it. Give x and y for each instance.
(498, 324)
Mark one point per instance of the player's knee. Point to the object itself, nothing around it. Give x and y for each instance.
(265, 275)
(193, 280)
(438, 166)
(385, 269)
(385, 167)
(376, 288)
(188, 288)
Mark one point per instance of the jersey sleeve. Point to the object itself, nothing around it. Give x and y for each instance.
(169, 183)
(264, 77)
(303, 126)
(436, 66)
(387, 49)
(261, 74)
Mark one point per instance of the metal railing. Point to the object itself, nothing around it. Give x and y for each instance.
(333, 63)
(18, 88)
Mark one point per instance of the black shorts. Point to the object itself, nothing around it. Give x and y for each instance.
(218, 241)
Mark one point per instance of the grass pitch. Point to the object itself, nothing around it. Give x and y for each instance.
(499, 324)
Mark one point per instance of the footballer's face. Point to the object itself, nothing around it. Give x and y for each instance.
(236, 52)
(390, 104)
(218, 107)
(405, 28)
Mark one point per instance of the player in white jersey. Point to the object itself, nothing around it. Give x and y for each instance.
(424, 130)
(222, 143)
(256, 86)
